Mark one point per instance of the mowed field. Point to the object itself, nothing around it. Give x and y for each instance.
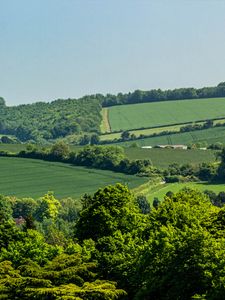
(162, 158)
(150, 131)
(211, 136)
(33, 178)
(145, 115)
(161, 190)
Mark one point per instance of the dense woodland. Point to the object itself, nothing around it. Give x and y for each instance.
(41, 122)
(109, 249)
(46, 121)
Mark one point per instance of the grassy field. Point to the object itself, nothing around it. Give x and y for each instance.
(211, 135)
(135, 116)
(162, 189)
(28, 177)
(149, 131)
(162, 158)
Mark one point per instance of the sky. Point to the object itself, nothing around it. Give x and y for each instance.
(51, 49)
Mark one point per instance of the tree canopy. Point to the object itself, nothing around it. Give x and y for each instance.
(114, 247)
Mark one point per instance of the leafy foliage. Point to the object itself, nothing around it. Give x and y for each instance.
(63, 278)
(175, 250)
(43, 121)
(139, 96)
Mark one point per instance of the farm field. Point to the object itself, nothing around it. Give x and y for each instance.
(162, 158)
(211, 135)
(149, 131)
(33, 178)
(160, 191)
(145, 115)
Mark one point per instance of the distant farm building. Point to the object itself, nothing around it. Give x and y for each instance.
(20, 221)
(183, 147)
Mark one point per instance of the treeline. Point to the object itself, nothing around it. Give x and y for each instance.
(106, 158)
(192, 172)
(113, 158)
(210, 172)
(110, 249)
(155, 95)
(42, 121)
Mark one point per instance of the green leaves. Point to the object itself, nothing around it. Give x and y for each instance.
(63, 278)
(184, 256)
(110, 209)
(48, 207)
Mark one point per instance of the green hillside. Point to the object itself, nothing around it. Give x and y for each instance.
(45, 121)
(162, 158)
(211, 135)
(145, 115)
(161, 190)
(29, 177)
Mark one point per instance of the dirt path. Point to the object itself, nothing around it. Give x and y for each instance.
(105, 126)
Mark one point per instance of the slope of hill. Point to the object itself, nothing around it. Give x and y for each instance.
(29, 177)
(147, 115)
(51, 120)
(161, 190)
(162, 158)
(209, 136)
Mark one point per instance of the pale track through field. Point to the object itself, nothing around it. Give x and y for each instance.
(105, 127)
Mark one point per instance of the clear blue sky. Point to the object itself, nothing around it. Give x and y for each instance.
(53, 49)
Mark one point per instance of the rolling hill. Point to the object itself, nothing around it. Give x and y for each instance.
(33, 178)
(149, 115)
(210, 136)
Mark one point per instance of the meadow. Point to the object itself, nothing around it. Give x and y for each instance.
(150, 131)
(162, 158)
(145, 115)
(210, 136)
(33, 178)
(161, 190)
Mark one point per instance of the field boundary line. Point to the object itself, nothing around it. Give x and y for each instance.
(166, 125)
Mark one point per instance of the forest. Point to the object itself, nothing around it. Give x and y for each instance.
(113, 246)
(45, 121)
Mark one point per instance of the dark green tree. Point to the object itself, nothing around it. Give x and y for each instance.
(111, 209)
